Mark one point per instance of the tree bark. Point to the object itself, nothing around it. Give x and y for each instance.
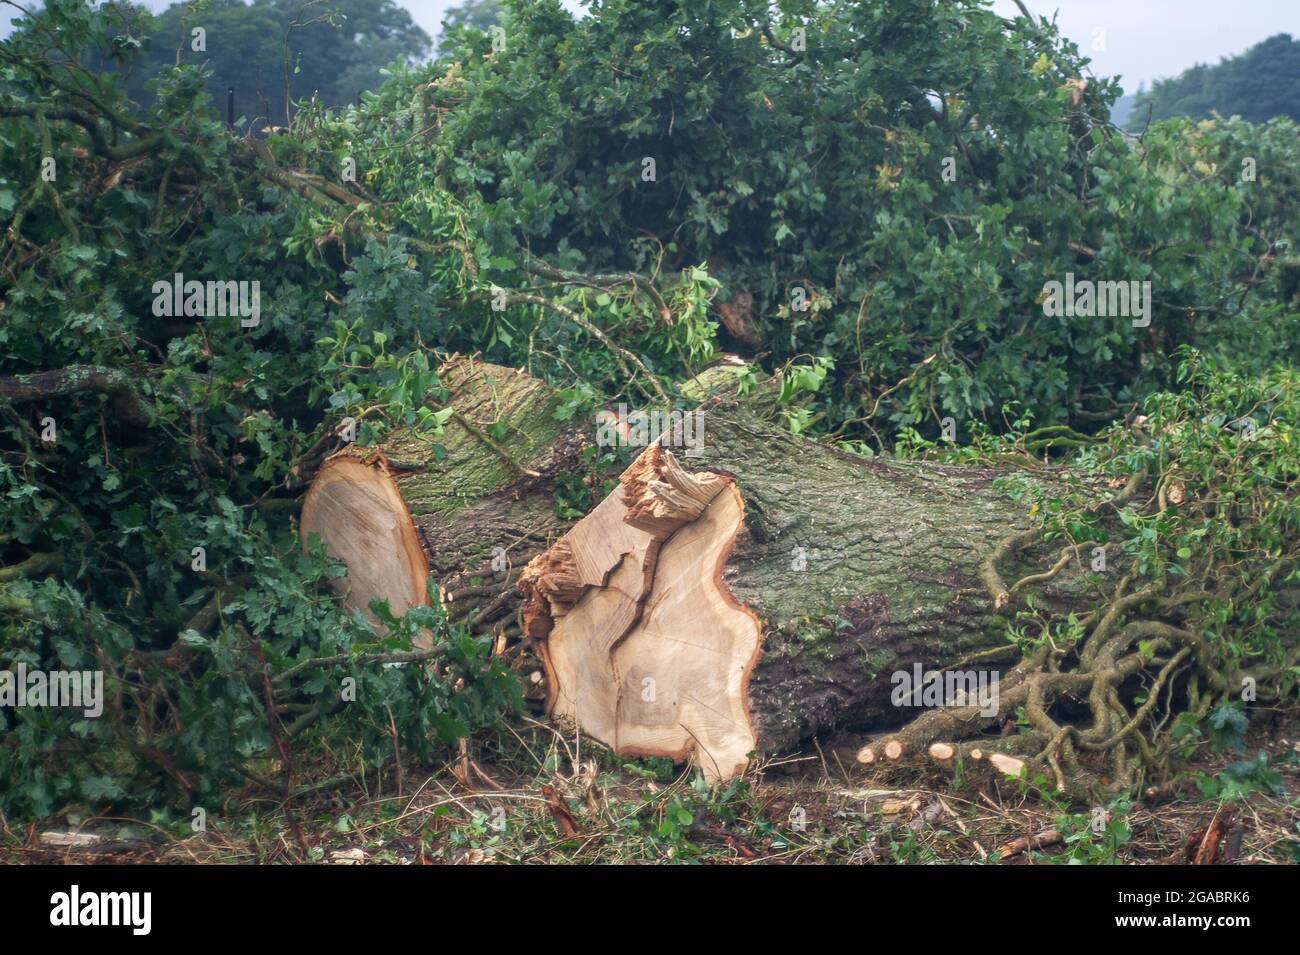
(741, 596)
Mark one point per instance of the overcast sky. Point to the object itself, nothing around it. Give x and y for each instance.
(1141, 40)
(1156, 39)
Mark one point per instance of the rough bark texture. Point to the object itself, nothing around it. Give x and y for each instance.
(487, 492)
(857, 568)
(851, 568)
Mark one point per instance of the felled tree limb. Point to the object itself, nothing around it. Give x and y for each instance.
(602, 281)
(128, 404)
(99, 139)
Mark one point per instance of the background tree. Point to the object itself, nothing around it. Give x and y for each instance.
(275, 51)
(841, 168)
(479, 14)
(1256, 85)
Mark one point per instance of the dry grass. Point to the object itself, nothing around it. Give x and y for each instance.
(564, 800)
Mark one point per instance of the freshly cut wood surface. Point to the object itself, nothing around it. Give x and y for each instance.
(684, 668)
(611, 564)
(380, 547)
(652, 656)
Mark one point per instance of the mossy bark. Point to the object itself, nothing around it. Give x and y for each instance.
(493, 487)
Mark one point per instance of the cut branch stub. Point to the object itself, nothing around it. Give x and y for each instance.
(645, 648)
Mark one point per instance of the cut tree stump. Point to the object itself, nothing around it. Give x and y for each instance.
(740, 598)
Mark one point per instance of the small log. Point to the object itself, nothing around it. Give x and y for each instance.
(1039, 840)
(943, 752)
(71, 840)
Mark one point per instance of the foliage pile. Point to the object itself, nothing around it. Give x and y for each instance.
(221, 428)
(499, 206)
(1196, 603)
(822, 169)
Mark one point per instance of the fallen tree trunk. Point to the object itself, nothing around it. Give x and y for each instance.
(766, 592)
(779, 589)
